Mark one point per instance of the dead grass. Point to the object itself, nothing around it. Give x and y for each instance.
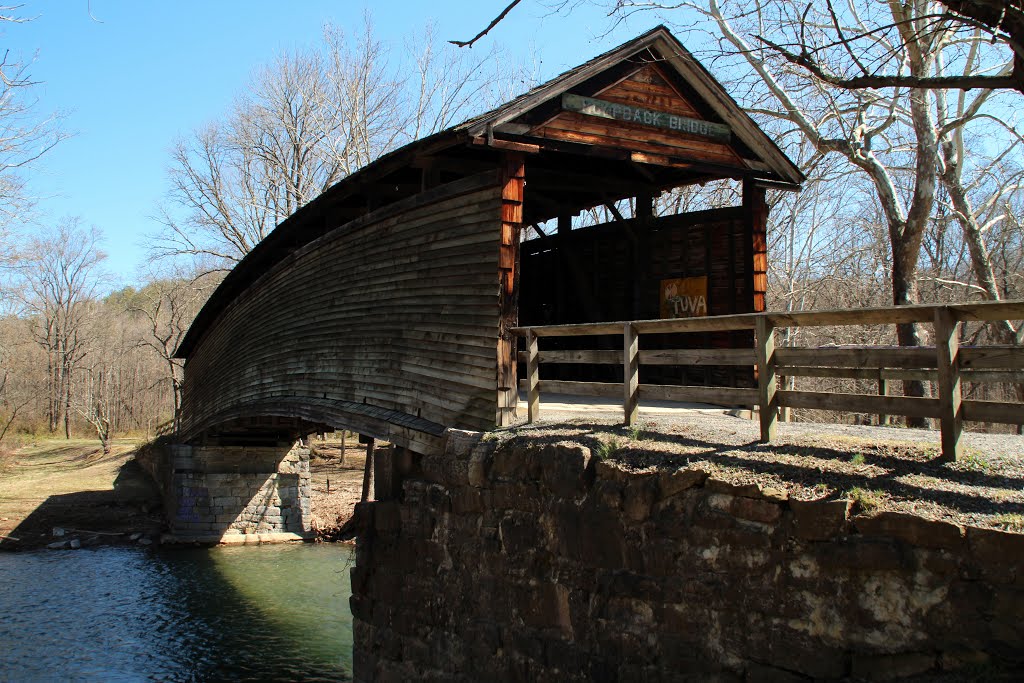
(71, 483)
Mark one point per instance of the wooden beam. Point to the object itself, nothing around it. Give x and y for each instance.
(728, 396)
(911, 406)
(512, 181)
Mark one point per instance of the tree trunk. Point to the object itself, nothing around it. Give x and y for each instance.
(904, 293)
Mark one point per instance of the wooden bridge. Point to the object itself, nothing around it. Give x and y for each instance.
(393, 304)
(387, 305)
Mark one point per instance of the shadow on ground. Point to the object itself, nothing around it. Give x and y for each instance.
(94, 517)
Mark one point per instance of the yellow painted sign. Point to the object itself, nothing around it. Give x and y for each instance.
(684, 297)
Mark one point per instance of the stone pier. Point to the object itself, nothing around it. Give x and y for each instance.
(234, 494)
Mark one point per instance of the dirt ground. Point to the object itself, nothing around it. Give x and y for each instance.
(336, 483)
(71, 485)
(108, 499)
(878, 468)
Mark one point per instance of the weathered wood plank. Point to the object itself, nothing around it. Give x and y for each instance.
(860, 403)
(697, 394)
(699, 357)
(858, 373)
(917, 357)
(990, 310)
(992, 357)
(993, 411)
(576, 357)
(606, 389)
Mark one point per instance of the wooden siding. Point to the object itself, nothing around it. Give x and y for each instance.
(644, 88)
(397, 310)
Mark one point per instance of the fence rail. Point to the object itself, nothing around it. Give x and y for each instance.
(165, 428)
(947, 363)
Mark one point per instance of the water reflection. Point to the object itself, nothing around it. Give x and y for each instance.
(126, 614)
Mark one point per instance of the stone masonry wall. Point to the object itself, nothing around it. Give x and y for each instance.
(547, 563)
(215, 493)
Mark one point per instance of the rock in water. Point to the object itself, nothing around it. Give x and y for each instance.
(58, 545)
(58, 531)
(75, 544)
(136, 536)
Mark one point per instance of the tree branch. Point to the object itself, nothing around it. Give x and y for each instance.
(494, 22)
(804, 60)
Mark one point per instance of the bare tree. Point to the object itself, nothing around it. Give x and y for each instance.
(310, 119)
(168, 306)
(24, 135)
(60, 272)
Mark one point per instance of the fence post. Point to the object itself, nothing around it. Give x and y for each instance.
(631, 374)
(768, 404)
(883, 390)
(947, 348)
(532, 377)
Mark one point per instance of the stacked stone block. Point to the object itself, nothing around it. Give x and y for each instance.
(546, 563)
(219, 492)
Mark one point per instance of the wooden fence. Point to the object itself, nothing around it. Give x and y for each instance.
(947, 362)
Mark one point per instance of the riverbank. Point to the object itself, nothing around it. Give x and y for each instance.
(67, 493)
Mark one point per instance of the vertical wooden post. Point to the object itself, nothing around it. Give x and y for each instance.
(631, 374)
(532, 377)
(513, 184)
(755, 210)
(367, 472)
(784, 382)
(768, 404)
(947, 348)
(883, 390)
(343, 434)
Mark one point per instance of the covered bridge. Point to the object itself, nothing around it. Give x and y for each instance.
(384, 306)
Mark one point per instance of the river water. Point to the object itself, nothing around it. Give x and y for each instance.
(267, 613)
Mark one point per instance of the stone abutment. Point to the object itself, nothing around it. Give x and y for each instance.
(544, 562)
(232, 494)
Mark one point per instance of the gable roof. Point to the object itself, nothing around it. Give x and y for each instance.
(663, 44)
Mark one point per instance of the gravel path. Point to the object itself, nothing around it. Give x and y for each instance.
(879, 468)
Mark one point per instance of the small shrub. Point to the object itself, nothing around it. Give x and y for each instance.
(858, 459)
(865, 500)
(607, 448)
(636, 434)
(975, 462)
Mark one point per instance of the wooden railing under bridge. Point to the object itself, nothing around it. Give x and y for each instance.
(947, 363)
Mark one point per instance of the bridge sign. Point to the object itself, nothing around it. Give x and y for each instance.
(648, 117)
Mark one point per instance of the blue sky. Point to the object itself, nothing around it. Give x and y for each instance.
(134, 76)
